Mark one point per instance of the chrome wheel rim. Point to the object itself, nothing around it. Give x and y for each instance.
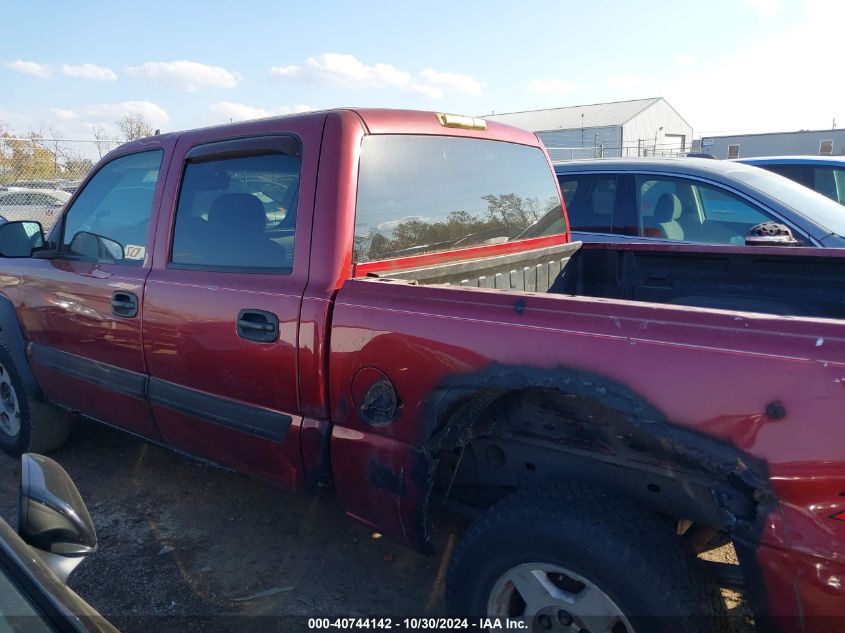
(10, 411)
(552, 598)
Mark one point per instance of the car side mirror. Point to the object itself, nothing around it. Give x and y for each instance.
(770, 234)
(20, 238)
(95, 246)
(52, 518)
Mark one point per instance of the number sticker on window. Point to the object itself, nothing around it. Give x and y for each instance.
(131, 251)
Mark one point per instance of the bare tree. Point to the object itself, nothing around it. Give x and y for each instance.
(100, 139)
(134, 126)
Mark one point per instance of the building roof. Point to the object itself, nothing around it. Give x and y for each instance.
(575, 117)
(834, 131)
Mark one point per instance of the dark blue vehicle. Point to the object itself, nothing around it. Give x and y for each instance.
(691, 200)
(824, 174)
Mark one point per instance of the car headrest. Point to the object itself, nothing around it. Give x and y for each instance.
(237, 214)
(668, 208)
(602, 200)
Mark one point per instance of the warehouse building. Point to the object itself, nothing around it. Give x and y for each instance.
(642, 127)
(803, 143)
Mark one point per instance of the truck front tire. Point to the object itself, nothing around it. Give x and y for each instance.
(571, 558)
(27, 424)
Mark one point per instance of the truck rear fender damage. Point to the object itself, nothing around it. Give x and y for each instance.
(518, 424)
(506, 428)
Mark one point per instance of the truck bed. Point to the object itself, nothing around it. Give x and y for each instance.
(663, 402)
(796, 282)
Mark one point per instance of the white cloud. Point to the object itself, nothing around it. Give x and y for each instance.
(60, 114)
(347, 71)
(453, 82)
(13, 122)
(42, 71)
(89, 71)
(285, 71)
(231, 111)
(550, 87)
(190, 76)
(766, 8)
(108, 113)
(684, 61)
(225, 111)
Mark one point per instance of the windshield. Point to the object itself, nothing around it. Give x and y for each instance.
(422, 194)
(818, 208)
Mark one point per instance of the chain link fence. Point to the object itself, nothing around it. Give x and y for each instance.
(38, 175)
(640, 148)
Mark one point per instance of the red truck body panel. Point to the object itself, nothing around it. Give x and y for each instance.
(710, 374)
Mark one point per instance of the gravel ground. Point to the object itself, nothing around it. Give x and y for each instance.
(188, 547)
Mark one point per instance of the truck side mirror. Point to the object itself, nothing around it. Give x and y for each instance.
(770, 234)
(52, 518)
(20, 238)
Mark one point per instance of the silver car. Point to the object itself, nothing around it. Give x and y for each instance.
(41, 205)
(691, 200)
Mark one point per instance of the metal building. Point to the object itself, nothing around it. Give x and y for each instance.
(803, 143)
(642, 127)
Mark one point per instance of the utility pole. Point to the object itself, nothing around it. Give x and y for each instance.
(582, 129)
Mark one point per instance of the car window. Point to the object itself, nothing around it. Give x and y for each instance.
(568, 188)
(591, 201)
(681, 209)
(109, 218)
(830, 182)
(238, 214)
(424, 194)
(798, 173)
(16, 611)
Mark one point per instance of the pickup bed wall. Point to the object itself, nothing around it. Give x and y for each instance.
(732, 279)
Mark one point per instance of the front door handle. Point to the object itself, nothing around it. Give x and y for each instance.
(258, 325)
(124, 304)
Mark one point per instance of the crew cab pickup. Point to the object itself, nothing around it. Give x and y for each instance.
(387, 303)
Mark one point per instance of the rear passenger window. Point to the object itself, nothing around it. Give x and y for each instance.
(590, 202)
(238, 214)
(108, 221)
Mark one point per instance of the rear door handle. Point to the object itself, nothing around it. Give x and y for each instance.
(124, 304)
(258, 325)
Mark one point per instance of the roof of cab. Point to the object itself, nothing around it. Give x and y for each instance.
(374, 120)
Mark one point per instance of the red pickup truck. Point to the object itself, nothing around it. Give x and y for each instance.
(387, 303)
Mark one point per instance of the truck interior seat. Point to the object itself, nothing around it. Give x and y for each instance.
(237, 226)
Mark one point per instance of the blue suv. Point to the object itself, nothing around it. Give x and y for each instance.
(819, 173)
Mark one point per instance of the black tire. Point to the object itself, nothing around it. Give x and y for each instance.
(27, 424)
(632, 556)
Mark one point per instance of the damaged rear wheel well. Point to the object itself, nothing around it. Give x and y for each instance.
(511, 428)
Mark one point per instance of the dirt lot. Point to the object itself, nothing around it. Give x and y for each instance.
(188, 547)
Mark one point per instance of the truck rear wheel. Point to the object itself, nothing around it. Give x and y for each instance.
(26, 423)
(570, 558)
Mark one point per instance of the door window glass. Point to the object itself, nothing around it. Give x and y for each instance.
(16, 611)
(109, 219)
(830, 181)
(238, 214)
(591, 201)
(686, 210)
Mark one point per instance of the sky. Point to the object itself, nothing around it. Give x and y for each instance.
(725, 65)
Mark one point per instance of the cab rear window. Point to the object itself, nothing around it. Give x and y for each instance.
(423, 194)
